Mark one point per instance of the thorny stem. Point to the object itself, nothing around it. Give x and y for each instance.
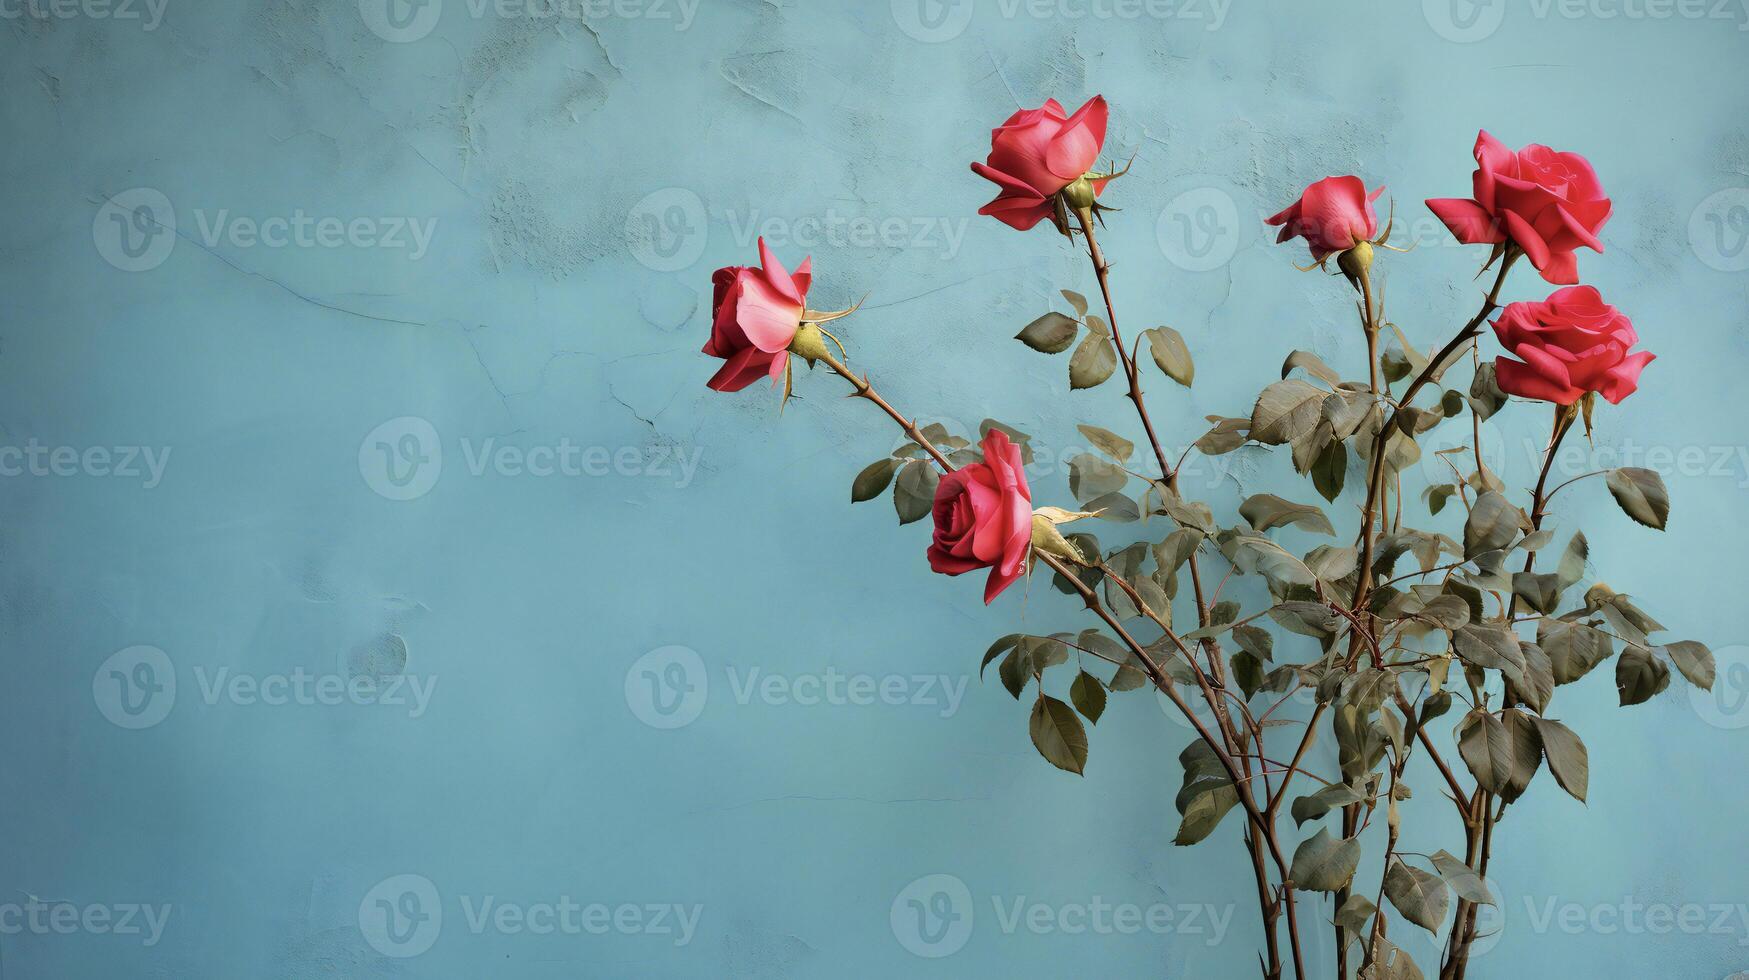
(1261, 834)
(1464, 923)
(1169, 476)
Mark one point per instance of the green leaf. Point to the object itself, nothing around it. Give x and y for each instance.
(1107, 442)
(1463, 879)
(1001, 646)
(1170, 353)
(1491, 648)
(1573, 648)
(1527, 752)
(1313, 365)
(1015, 671)
(1092, 362)
(1205, 797)
(1331, 797)
(874, 478)
(1539, 590)
(1486, 749)
(1049, 334)
(1323, 863)
(1255, 554)
(1355, 914)
(1266, 510)
(1493, 524)
(1419, 895)
(1058, 734)
(1572, 567)
(1115, 507)
(1567, 757)
(1090, 477)
(1227, 435)
(914, 494)
(1286, 409)
(1639, 676)
(1641, 494)
(1089, 696)
(1694, 660)
(1330, 470)
(1306, 618)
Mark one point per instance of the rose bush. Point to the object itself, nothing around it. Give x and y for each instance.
(1384, 652)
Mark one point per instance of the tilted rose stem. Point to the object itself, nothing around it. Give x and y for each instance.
(1369, 525)
(1169, 474)
(1155, 673)
(1464, 922)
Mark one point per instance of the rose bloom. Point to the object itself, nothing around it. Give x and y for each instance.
(1333, 215)
(1037, 153)
(983, 517)
(1546, 203)
(1569, 344)
(754, 317)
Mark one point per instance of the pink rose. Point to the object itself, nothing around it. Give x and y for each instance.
(1037, 153)
(1571, 343)
(983, 517)
(1333, 215)
(1546, 203)
(754, 317)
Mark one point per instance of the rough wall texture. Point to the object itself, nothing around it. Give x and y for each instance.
(438, 490)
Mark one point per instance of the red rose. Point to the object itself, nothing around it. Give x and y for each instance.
(1037, 153)
(983, 517)
(754, 317)
(1571, 343)
(1546, 203)
(1333, 215)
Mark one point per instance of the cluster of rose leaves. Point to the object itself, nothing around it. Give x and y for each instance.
(1567, 350)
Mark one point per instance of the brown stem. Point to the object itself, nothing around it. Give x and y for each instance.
(1464, 922)
(1169, 475)
(1264, 830)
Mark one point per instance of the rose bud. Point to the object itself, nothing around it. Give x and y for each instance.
(1332, 215)
(1545, 203)
(1039, 152)
(1569, 344)
(754, 317)
(983, 517)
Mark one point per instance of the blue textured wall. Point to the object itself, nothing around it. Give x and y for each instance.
(396, 461)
